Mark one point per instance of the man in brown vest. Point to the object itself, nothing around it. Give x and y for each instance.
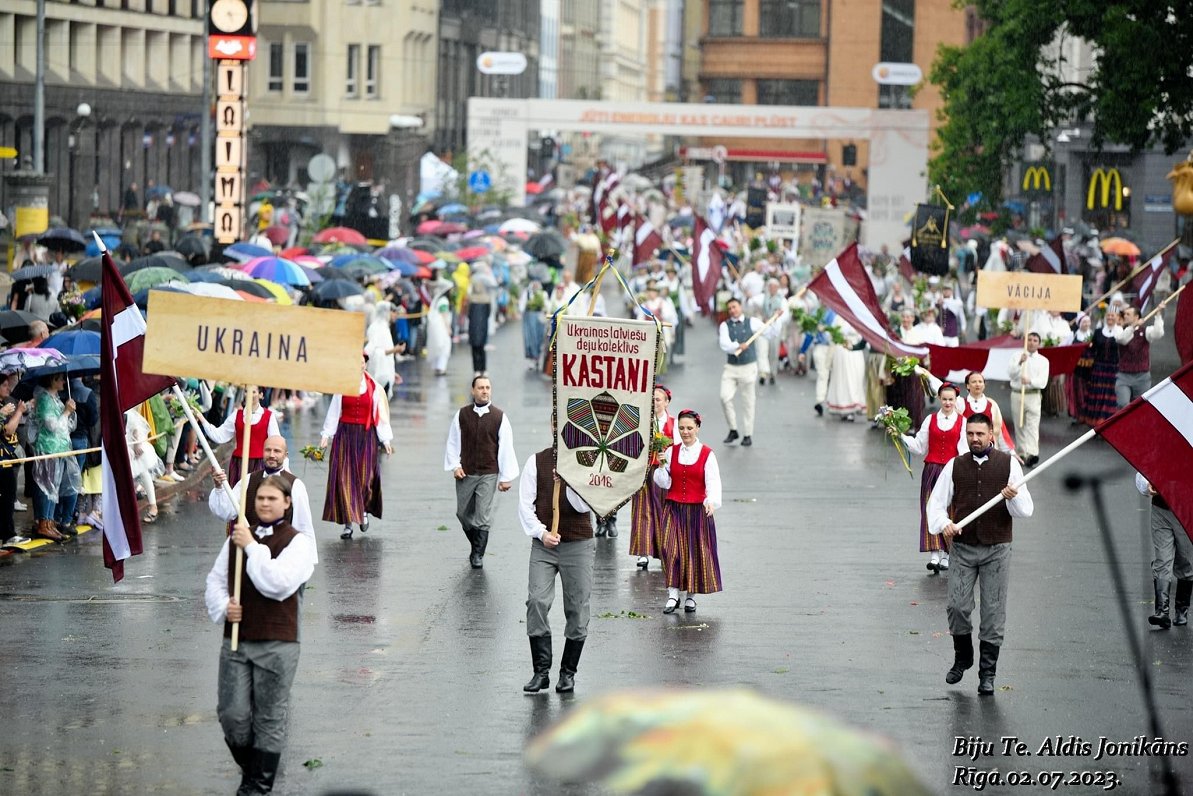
(480, 456)
(981, 552)
(255, 679)
(562, 545)
(1134, 356)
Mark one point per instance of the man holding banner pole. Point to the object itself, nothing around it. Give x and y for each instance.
(1029, 377)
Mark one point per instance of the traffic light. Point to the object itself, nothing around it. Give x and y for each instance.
(849, 155)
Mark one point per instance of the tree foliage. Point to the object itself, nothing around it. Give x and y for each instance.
(1008, 84)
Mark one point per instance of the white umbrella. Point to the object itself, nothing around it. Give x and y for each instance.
(520, 225)
(213, 290)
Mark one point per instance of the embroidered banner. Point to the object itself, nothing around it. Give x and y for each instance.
(604, 384)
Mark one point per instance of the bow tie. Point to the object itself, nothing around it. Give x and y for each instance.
(266, 530)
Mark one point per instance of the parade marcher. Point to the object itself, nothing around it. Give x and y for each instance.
(482, 294)
(273, 465)
(532, 305)
(741, 369)
(263, 424)
(255, 680)
(846, 394)
(981, 552)
(480, 456)
(1099, 399)
(646, 509)
(907, 392)
(938, 441)
(692, 482)
(567, 551)
(822, 346)
(354, 427)
(379, 345)
(773, 301)
(1134, 356)
(952, 317)
(439, 327)
(1077, 386)
(1172, 556)
(977, 402)
(928, 330)
(1030, 370)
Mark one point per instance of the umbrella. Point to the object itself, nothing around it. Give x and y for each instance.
(82, 365)
(63, 239)
(277, 269)
(277, 235)
(152, 277)
(519, 225)
(73, 341)
(335, 289)
(14, 325)
(312, 273)
(406, 255)
(472, 252)
(533, 188)
(166, 259)
(31, 272)
(25, 358)
(158, 190)
(546, 245)
(276, 291)
(187, 199)
(249, 286)
(1120, 246)
(682, 220)
(294, 252)
(193, 246)
(220, 271)
(90, 269)
(111, 237)
(406, 269)
(368, 263)
(243, 252)
(430, 245)
(339, 235)
(441, 228)
(212, 290)
(453, 209)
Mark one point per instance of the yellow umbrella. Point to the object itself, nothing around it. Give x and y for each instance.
(717, 743)
(277, 290)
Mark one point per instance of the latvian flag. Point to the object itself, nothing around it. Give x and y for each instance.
(1155, 434)
(647, 241)
(1049, 260)
(1144, 283)
(707, 261)
(122, 386)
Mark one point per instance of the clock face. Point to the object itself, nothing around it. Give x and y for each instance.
(229, 15)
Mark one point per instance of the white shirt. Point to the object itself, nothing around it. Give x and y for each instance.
(729, 346)
(1142, 485)
(1151, 333)
(925, 333)
(919, 443)
(1034, 371)
(987, 406)
(275, 578)
(227, 430)
(222, 506)
(688, 454)
(942, 497)
(507, 460)
(385, 434)
(528, 492)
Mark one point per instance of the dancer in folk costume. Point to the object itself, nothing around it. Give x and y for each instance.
(692, 482)
(976, 402)
(847, 380)
(646, 510)
(263, 424)
(354, 426)
(938, 440)
(1098, 400)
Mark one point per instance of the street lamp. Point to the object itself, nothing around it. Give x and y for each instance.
(82, 113)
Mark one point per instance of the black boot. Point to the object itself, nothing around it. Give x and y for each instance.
(611, 526)
(263, 770)
(962, 658)
(987, 666)
(1184, 590)
(243, 755)
(540, 656)
(1160, 617)
(600, 528)
(482, 543)
(567, 666)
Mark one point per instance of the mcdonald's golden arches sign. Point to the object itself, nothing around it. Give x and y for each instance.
(1105, 189)
(1037, 178)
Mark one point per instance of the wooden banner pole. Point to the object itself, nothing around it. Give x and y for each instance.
(249, 408)
(190, 416)
(759, 333)
(1027, 318)
(1161, 305)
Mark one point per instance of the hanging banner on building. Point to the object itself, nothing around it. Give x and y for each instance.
(604, 386)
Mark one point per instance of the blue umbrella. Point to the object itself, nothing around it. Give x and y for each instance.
(243, 252)
(74, 341)
(91, 298)
(399, 254)
(81, 365)
(159, 190)
(62, 239)
(31, 272)
(404, 268)
(199, 275)
(110, 236)
(453, 209)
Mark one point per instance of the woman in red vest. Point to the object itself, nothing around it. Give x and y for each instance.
(354, 426)
(939, 439)
(978, 403)
(263, 425)
(646, 539)
(692, 482)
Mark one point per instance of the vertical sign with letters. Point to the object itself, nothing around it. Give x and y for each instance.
(229, 151)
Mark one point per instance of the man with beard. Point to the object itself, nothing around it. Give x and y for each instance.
(981, 552)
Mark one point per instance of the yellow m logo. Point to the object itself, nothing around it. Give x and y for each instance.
(1035, 176)
(1104, 178)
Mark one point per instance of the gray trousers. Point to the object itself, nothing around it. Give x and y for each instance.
(573, 562)
(474, 501)
(254, 692)
(989, 566)
(1129, 386)
(1172, 552)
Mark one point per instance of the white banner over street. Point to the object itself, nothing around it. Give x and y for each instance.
(604, 383)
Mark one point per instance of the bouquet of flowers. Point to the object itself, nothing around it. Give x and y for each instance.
(72, 304)
(660, 442)
(175, 408)
(1049, 342)
(896, 422)
(904, 366)
(313, 453)
(813, 322)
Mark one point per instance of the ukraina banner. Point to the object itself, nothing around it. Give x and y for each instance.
(604, 383)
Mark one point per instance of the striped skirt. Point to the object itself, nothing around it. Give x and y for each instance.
(691, 540)
(929, 542)
(353, 477)
(646, 521)
(234, 469)
(1100, 401)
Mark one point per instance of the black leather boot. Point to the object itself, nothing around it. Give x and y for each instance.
(611, 526)
(243, 755)
(1184, 590)
(482, 543)
(567, 666)
(962, 658)
(471, 534)
(540, 656)
(262, 772)
(599, 531)
(987, 666)
(1160, 617)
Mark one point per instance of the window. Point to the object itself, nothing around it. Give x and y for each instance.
(897, 43)
(350, 85)
(723, 90)
(788, 92)
(724, 17)
(302, 67)
(793, 19)
(276, 67)
(373, 71)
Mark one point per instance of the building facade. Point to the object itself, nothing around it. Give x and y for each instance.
(123, 98)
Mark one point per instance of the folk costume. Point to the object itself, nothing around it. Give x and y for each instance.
(1172, 557)
(740, 374)
(1033, 375)
(1097, 400)
(572, 559)
(846, 395)
(298, 515)
(355, 425)
(937, 440)
(480, 441)
(690, 479)
(985, 405)
(1134, 360)
(263, 425)
(646, 508)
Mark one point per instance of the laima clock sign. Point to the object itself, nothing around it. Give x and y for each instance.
(232, 29)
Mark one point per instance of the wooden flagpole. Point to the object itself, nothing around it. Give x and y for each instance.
(1093, 304)
(760, 332)
(1023, 384)
(249, 408)
(190, 416)
(1161, 305)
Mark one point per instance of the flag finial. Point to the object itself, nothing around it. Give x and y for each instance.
(99, 242)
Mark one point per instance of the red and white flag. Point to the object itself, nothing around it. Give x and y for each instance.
(844, 287)
(122, 386)
(992, 358)
(1144, 283)
(1182, 327)
(647, 241)
(1155, 434)
(905, 267)
(708, 260)
(1049, 260)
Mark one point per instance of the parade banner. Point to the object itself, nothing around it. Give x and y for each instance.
(1024, 290)
(301, 348)
(604, 385)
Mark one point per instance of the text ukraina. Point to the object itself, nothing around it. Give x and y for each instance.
(254, 345)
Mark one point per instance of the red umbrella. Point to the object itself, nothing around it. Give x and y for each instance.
(294, 251)
(533, 188)
(340, 235)
(442, 228)
(277, 235)
(471, 252)
(423, 273)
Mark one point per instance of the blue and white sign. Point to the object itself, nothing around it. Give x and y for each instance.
(479, 181)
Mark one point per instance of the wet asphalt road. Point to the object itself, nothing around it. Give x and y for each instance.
(412, 663)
